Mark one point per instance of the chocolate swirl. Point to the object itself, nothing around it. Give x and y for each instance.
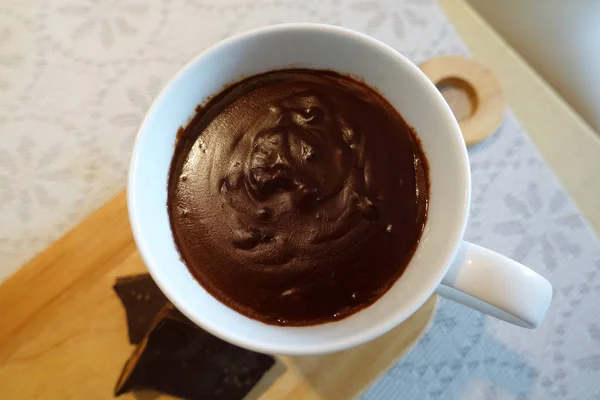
(297, 197)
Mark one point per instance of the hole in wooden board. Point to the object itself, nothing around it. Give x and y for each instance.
(459, 95)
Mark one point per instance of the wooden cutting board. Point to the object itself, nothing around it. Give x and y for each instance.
(63, 333)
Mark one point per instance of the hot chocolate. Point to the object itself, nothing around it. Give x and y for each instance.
(298, 197)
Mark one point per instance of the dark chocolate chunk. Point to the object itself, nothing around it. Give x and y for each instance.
(142, 300)
(180, 359)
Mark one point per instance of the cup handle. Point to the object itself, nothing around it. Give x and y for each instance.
(496, 285)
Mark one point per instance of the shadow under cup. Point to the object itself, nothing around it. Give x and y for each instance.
(316, 47)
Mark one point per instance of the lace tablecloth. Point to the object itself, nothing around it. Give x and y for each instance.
(77, 76)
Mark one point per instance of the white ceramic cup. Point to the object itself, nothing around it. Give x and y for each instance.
(443, 262)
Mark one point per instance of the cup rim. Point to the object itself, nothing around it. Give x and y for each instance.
(316, 348)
